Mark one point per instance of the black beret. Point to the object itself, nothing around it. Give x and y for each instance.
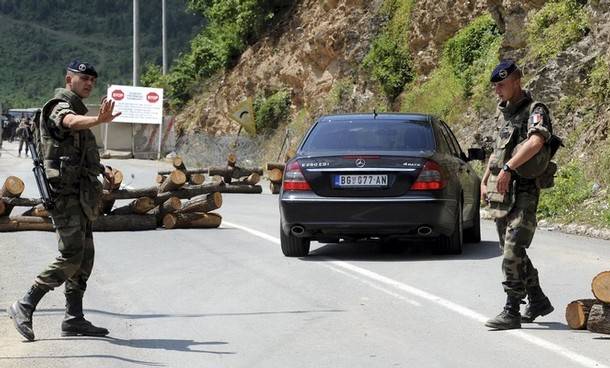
(503, 70)
(77, 66)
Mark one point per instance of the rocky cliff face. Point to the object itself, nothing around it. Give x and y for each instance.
(433, 23)
(321, 42)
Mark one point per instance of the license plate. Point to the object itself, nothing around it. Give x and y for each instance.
(362, 181)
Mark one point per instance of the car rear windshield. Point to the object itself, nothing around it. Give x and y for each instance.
(370, 135)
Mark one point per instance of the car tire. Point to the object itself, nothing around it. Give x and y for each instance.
(293, 246)
(473, 234)
(452, 244)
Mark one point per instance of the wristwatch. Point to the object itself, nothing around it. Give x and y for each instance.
(507, 168)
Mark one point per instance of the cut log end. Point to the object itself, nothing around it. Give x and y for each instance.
(160, 179)
(601, 286)
(231, 160)
(174, 181)
(275, 175)
(177, 161)
(13, 187)
(197, 179)
(577, 313)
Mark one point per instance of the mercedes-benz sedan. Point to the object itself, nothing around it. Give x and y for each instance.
(380, 176)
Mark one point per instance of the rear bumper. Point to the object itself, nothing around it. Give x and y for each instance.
(325, 216)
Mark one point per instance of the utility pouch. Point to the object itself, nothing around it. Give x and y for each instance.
(547, 179)
(499, 204)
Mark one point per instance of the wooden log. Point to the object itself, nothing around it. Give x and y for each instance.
(150, 192)
(231, 160)
(275, 175)
(191, 220)
(190, 191)
(184, 192)
(188, 171)
(25, 223)
(171, 205)
(252, 179)
(178, 163)
(202, 203)
(577, 313)
(139, 207)
(196, 179)
(2, 207)
(118, 180)
(125, 223)
(234, 172)
(601, 286)
(275, 165)
(12, 188)
(599, 319)
(107, 205)
(275, 187)
(225, 172)
(174, 181)
(161, 178)
(36, 211)
(21, 202)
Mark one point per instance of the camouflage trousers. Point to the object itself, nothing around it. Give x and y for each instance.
(516, 232)
(75, 242)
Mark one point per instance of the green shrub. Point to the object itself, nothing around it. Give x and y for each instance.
(572, 188)
(599, 81)
(270, 111)
(557, 25)
(462, 77)
(389, 60)
(440, 95)
(467, 51)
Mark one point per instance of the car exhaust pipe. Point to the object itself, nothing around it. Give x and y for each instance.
(424, 230)
(297, 230)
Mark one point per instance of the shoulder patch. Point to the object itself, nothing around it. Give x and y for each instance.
(62, 105)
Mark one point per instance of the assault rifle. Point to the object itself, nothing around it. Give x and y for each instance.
(41, 178)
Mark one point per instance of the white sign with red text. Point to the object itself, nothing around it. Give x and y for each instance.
(137, 104)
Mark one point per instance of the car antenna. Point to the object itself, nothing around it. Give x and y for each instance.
(374, 113)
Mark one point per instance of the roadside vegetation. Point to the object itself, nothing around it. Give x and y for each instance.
(232, 25)
(559, 24)
(461, 79)
(389, 60)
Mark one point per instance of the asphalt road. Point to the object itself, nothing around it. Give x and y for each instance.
(227, 297)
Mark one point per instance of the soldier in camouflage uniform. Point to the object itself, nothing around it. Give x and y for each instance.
(525, 131)
(72, 166)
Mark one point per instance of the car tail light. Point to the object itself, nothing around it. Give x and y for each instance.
(294, 179)
(430, 178)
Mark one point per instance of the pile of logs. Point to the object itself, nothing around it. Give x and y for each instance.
(235, 179)
(149, 208)
(592, 314)
(275, 173)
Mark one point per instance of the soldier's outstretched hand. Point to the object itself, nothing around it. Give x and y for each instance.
(106, 115)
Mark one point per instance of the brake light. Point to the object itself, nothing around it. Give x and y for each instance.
(294, 179)
(430, 178)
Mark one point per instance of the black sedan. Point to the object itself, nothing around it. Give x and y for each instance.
(380, 176)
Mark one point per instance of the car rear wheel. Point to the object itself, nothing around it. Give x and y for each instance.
(293, 246)
(452, 244)
(473, 235)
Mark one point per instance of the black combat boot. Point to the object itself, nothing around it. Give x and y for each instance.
(539, 305)
(74, 323)
(21, 311)
(509, 318)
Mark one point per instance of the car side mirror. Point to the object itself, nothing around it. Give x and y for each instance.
(476, 154)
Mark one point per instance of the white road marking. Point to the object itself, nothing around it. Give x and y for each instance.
(461, 310)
